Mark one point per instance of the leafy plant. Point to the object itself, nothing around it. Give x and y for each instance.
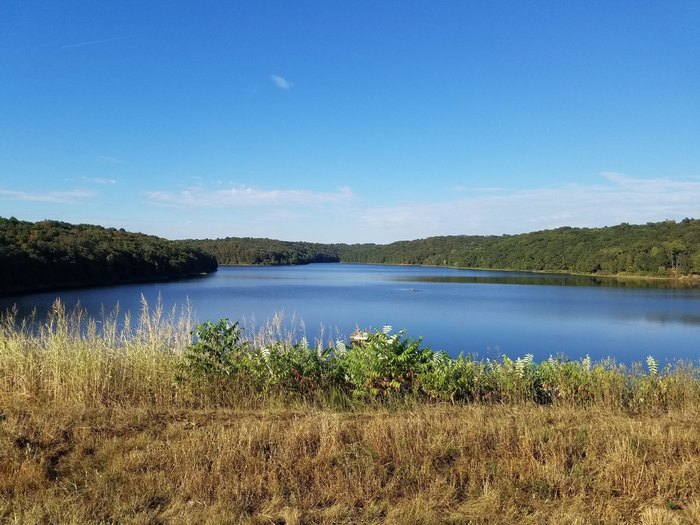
(217, 351)
(301, 368)
(447, 379)
(385, 364)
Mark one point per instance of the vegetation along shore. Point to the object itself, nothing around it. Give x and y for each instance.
(154, 420)
(49, 254)
(663, 249)
(151, 420)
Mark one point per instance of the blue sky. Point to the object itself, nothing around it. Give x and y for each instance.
(356, 121)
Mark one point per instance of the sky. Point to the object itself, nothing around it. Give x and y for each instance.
(349, 121)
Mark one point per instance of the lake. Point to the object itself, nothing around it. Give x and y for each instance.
(487, 313)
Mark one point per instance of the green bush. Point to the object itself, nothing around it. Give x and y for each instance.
(390, 366)
(300, 368)
(385, 364)
(218, 351)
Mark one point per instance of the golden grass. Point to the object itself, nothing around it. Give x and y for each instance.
(74, 359)
(94, 429)
(433, 464)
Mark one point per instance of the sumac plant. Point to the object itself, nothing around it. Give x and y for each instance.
(301, 368)
(217, 351)
(385, 364)
(222, 361)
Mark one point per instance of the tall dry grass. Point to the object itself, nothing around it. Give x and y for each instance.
(95, 428)
(486, 464)
(72, 358)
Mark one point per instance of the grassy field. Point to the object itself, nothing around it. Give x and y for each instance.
(102, 424)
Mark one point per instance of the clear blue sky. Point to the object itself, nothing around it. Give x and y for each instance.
(352, 121)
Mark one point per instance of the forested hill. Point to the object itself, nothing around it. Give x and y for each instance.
(269, 252)
(49, 254)
(656, 249)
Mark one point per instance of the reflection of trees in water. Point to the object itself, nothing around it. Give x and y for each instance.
(552, 280)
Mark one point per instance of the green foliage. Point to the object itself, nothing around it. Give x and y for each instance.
(219, 364)
(393, 366)
(447, 379)
(385, 364)
(217, 351)
(665, 249)
(49, 254)
(220, 356)
(265, 252)
(300, 368)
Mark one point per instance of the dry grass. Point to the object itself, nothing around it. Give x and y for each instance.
(75, 359)
(465, 464)
(94, 429)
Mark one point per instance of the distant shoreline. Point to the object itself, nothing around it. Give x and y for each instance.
(689, 280)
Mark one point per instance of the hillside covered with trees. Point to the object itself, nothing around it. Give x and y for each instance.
(663, 249)
(50, 254)
(269, 252)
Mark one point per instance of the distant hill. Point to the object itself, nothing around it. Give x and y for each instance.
(50, 254)
(663, 249)
(266, 252)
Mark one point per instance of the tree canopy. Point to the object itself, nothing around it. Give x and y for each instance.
(268, 252)
(664, 249)
(50, 254)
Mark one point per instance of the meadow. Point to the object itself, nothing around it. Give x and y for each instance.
(155, 420)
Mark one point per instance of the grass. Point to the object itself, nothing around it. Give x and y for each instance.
(95, 428)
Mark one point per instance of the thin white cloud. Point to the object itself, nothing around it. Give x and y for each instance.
(621, 199)
(648, 185)
(57, 197)
(281, 82)
(94, 42)
(106, 159)
(99, 180)
(201, 197)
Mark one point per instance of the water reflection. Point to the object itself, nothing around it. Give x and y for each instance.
(669, 319)
(551, 280)
(627, 319)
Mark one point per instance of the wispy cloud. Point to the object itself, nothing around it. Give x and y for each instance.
(94, 42)
(57, 197)
(618, 198)
(106, 159)
(281, 82)
(625, 182)
(99, 180)
(202, 197)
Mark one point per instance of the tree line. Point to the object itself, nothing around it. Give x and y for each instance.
(268, 252)
(48, 255)
(52, 254)
(663, 249)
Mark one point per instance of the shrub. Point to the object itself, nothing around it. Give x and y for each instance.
(218, 351)
(222, 365)
(301, 368)
(385, 364)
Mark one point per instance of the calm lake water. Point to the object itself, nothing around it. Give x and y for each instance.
(486, 313)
